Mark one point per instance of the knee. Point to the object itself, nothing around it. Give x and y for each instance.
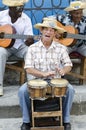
(3, 50)
(70, 89)
(23, 90)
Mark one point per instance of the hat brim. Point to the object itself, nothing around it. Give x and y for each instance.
(72, 8)
(40, 25)
(14, 3)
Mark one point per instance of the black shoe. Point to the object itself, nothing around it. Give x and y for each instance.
(25, 126)
(67, 126)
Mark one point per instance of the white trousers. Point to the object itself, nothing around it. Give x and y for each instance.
(6, 53)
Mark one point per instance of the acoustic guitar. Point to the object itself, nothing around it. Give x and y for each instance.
(8, 36)
(69, 37)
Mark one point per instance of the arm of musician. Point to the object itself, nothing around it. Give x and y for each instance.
(40, 74)
(29, 41)
(64, 71)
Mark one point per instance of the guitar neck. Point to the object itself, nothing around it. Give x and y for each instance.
(75, 36)
(19, 36)
(37, 37)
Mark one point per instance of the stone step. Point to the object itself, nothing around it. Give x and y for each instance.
(77, 123)
(9, 103)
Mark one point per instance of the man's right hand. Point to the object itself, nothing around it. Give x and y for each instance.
(29, 41)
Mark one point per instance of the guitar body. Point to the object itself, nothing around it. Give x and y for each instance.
(6, 42)
(67, 41)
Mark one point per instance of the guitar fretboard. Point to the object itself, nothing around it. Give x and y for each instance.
(76, 36)
(18, 36)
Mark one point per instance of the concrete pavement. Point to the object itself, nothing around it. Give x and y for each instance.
(10, 114)
(77, 122)
(9, 103)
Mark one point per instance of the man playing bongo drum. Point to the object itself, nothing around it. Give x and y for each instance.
(46, 60)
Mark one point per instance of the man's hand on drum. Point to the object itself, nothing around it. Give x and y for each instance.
(49, 74)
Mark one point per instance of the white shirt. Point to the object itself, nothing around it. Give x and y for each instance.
(22, 26)
(45, 60)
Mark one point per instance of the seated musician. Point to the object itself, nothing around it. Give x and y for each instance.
(12, 19)
(46, 60)
(75, 18)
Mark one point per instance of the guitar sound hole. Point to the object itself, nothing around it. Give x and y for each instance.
(2, 35)
(64, 34)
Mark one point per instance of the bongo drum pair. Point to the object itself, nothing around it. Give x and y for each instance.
(40, 89)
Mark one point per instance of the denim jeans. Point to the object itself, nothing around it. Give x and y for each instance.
(25, 103)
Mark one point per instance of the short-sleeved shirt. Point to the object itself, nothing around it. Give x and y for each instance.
(22, 26)
(45, 60)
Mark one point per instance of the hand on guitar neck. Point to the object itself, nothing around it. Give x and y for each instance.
(8, 36)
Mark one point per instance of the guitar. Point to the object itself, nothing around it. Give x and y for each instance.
(69, 37)
(8, 36)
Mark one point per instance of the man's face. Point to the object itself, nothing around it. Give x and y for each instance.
(16, 11)
(48, 33)
(76, 15)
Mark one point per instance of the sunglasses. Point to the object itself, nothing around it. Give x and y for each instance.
(17, 8)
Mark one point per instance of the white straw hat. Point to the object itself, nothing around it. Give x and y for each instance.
(49, 22)
(14, 2)
(75, 5)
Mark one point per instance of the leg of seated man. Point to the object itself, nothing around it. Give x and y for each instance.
(67, 104)
(25, 106)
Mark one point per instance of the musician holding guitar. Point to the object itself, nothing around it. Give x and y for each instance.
(13, 20)
(75, 18)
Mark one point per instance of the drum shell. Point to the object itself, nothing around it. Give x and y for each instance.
(37, 88)
(59, 89)
(37, 92)
(49, 91)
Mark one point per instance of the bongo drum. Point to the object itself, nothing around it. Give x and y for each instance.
(37, 88)
(59, 87)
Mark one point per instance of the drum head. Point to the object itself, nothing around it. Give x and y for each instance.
(59, 82)
(37, 83)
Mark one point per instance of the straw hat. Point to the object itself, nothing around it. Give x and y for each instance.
(75, 5)
(14, 2)
(49, 22)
